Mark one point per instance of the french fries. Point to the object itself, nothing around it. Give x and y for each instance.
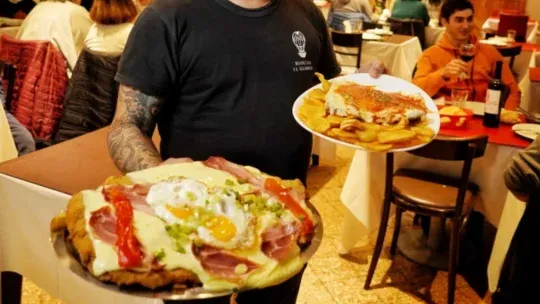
(371, 136)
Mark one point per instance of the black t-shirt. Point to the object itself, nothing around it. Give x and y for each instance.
(229, 77)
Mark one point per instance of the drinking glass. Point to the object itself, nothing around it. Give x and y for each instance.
(466, 53)
(386, 27)
(352, 26)
(511, 35)
(459, 97)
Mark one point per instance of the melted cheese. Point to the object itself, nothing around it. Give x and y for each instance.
(196, 170)
(153, 237)
(106, 257)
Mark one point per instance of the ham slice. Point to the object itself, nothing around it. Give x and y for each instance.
(103, 224)
(280, 240)
(219, 163)
(136, 196)
(221, 263)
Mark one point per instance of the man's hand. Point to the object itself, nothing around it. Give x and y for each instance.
(456, 67)
(130, 143)
(375, 68)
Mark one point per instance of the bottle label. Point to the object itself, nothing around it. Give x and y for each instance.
(493, 99)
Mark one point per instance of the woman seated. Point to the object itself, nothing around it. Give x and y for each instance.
(113, 23)
(411, 9)
(64, 23)
(349, 10)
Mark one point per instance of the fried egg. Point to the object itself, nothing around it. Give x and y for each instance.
(218, 218)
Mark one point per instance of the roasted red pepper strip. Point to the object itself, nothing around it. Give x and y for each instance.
(274, 187)
(129, 249)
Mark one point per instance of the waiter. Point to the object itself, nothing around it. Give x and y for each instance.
(219, 77)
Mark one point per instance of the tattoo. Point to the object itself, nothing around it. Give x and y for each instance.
(130, 143)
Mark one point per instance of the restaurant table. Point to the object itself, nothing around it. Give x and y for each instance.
(33, 189)
(363, 190)
(532, 27)
(399, 53)
(7, 145)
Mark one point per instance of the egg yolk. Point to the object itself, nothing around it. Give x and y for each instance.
(180, 212)
(222, 228)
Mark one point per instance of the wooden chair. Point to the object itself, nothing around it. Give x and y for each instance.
(513, 22)
(350, 40)
(409, 27)
(432, 195)
(370, 25)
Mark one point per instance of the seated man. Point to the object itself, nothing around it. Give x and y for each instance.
(21, 136)
(440, 68)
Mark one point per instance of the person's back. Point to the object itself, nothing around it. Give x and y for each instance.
(113, 23)
(64, 24)
(353, 6)
(411, 9)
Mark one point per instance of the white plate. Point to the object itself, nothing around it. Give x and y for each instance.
(495, 42)
(476, 107)
(379, 32)
(384, 83)
(527, 130)
(370, 36)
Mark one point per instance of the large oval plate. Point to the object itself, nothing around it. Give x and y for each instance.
(384, 83)
(68, 257)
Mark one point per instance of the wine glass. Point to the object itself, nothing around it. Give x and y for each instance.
(466, 53)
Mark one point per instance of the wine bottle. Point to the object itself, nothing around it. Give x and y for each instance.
(494, 95)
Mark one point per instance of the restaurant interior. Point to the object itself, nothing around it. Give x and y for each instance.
(387, 236)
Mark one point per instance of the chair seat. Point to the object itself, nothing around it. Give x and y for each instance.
(430, 190)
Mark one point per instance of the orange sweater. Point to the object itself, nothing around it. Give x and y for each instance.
(429, 68)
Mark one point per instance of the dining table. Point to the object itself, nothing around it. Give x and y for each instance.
(363, 190)
(399, 54)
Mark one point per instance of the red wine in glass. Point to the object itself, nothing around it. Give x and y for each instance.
(466, 57)
(466, 52)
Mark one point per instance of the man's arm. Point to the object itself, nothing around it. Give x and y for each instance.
(130, 139)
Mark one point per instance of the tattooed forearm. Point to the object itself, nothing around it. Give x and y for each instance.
(129, 141)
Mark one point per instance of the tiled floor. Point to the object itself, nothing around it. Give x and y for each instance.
(330, 278)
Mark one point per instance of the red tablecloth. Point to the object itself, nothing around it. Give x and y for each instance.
(503, 135)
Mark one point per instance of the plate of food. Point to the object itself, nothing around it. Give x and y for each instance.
(191, 230)
(386, 114)
(527, 130)
(454, 117)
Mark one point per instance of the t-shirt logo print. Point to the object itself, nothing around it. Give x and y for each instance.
(299, 41)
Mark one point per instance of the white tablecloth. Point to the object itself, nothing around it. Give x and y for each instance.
(363, 192)
(25, 248)
(530, 96)
(532, 28)
(400, 59)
